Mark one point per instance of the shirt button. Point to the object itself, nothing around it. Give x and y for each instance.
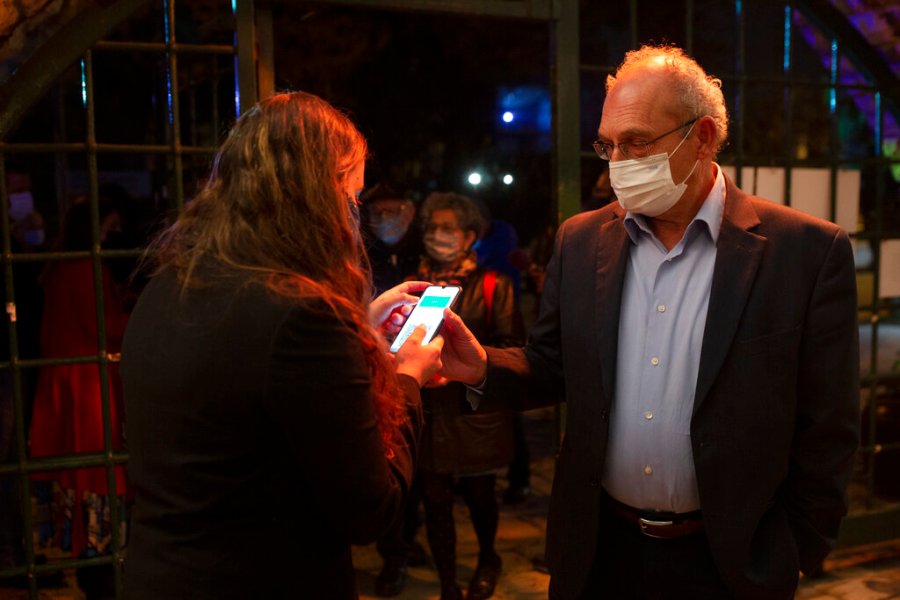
(648, 470)
(654, 361)
(648, 415)
(661, 308)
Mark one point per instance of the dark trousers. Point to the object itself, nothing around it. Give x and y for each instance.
(397, 541)
(478, 492)
(631, 566)
(519, 472)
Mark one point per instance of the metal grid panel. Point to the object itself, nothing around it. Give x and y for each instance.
(51, 63)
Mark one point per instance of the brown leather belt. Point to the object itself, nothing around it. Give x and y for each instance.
(663, 525)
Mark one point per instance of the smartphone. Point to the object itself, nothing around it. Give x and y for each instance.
(428, 312)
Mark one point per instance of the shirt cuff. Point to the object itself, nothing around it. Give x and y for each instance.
(475, 392)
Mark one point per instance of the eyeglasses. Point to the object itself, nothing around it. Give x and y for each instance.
(376, 214)
(445, 228)
(634, 148)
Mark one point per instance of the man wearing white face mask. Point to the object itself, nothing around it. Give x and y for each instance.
(393, 243)
(705, 342)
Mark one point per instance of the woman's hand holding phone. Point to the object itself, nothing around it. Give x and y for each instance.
(390, 310)
(428, 312)
(418, 361)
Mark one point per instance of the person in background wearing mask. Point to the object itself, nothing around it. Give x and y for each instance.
(26, 223)
(28, 299)
(393, 243)
(68, 409)
(460, 449)
(705, 342)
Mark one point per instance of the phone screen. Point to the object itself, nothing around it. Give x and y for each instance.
(428, 312)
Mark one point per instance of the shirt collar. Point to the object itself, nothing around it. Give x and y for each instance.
(710, 213)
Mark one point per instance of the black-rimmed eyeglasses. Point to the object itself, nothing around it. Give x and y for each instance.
(634, 148)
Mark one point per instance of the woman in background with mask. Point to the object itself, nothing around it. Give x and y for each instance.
(68, 409)
(462, 449)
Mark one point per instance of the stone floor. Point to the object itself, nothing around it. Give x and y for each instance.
(860, 573)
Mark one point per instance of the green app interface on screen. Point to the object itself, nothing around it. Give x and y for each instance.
(428, 312)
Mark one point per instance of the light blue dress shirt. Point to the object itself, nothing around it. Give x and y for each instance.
(649, 462)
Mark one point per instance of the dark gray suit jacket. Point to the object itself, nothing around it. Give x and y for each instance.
(775, 421)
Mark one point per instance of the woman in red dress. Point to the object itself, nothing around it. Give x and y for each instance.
(68, 413)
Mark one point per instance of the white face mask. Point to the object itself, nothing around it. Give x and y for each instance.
(21, 204)
(645, 185)
(444, 247)
(390, 230)
(33, 237)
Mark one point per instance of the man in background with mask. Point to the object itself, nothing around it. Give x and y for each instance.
(705, 342)
(393, 244)
(26, 313)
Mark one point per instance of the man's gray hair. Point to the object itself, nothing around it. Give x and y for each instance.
(699, 93)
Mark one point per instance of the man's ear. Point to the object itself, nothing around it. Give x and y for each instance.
(707, 135)
(470, 238)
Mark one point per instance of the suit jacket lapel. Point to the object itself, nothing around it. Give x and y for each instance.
(737, 259)
(612, 258)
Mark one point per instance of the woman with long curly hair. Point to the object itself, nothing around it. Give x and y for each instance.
(268, 426)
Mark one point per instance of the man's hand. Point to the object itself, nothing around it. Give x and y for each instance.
(463, 357)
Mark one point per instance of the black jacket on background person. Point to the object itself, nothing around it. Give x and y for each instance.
(255, 453)
(392, 265)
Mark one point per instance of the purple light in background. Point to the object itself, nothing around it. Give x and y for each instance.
(168, 64)
(237, 86)
(848, 75)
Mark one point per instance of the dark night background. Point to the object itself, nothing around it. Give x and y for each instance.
(426, 89)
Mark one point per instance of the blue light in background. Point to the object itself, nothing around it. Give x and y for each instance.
(524, 108)
(787, 38)
(832, 93)
(168, 64)
(83, 85)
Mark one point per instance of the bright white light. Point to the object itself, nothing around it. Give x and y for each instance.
(508, 117)
(475, 178)
(507, 179)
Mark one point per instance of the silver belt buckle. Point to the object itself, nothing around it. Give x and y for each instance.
(644, 523)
